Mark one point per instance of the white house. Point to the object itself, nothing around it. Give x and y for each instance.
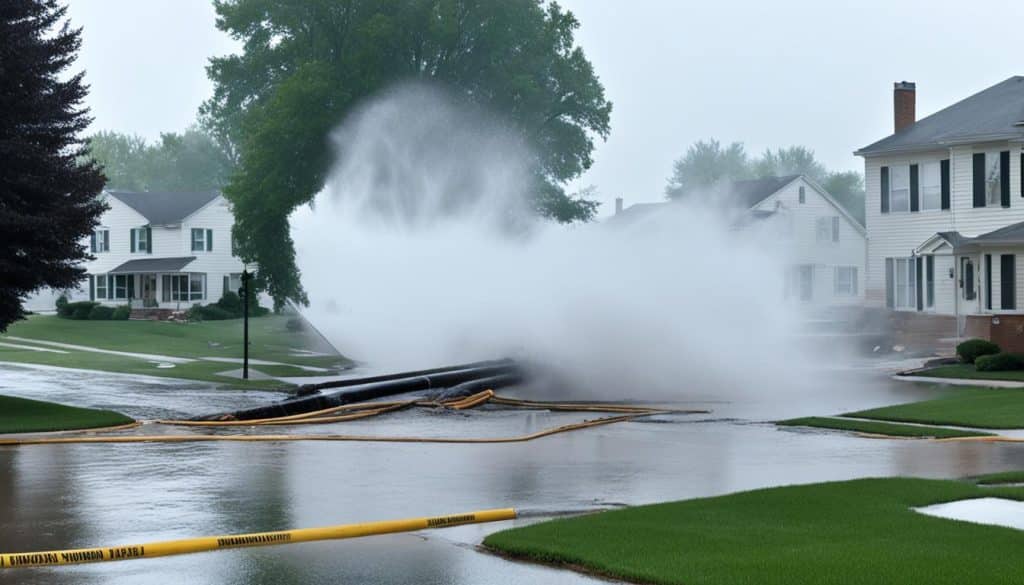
(161, 251)
(945, 215)
(828, 244)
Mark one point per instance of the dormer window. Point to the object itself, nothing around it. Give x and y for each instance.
(202, 240)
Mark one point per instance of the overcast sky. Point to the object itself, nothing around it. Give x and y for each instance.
(768, 74)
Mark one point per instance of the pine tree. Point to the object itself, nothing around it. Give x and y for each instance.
(48, 188)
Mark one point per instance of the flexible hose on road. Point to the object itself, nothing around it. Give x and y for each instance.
(212, 543)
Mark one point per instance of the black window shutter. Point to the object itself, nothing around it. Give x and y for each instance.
(106, 240)
(917, 276)
(149, 240)
(133, 240)
(1022, 174)
(915, 192)
(885, 190)
(988, 281)
(835, 229)
(944, 166)
(226, 285)
(979, 179)
(209, 240)
(92, 285)
(889, 291)
(92, 243)
(1007, 282)
(1004, 178)
(929, 273)
(131, 285)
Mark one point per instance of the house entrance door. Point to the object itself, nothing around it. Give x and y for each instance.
(149, 290)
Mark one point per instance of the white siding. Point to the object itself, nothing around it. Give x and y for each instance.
(824, 256)
(897, 234)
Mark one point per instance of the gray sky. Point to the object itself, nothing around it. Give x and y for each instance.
(769, 74)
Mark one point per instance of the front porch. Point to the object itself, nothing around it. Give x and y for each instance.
(154, 288)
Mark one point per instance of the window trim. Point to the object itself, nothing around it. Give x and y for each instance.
(851, 290)
(923, 185)
(892, 187)
(909, 273)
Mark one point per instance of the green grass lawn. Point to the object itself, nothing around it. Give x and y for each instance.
(967, 371)
(986, 408)
(20, 415)
(879, 428)
(270, 340)
(852, 532)
(1000, 478)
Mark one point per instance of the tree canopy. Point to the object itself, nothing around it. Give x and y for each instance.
(306, 63)
(48, 202)
(707, 163)
(190, 161)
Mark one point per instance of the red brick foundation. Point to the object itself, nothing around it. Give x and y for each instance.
(1006, 331)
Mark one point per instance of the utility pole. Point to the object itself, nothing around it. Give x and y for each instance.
(246, 278)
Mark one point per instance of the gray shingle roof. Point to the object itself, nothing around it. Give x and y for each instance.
(996, 113)
(750, 193)
(165, 208)
(154, 265)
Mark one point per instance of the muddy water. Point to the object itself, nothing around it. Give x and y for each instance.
(83, 495)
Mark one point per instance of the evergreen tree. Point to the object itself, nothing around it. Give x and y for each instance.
(48, 192)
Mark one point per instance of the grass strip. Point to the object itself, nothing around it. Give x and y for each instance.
(983, 408)
(1006, 477)
(860, 532)
(879, 428)
(967, 372)
(21, 415)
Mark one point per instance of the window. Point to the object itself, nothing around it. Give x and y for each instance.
(234, 282)
(931, 186)
(906, 283)
(899, 188)
(101, 286)
(119, 286)
(827, 229)
(184, 287)
(803, 195)
(100, 241)
(140, 240)
(202, 240)
(993, 179)
(845, 281)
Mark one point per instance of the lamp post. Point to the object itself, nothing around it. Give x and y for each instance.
(246, 283)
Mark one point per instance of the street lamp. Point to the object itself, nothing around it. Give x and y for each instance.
(246, 283)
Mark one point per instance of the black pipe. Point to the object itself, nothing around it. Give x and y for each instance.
(306, 389)
(501, 371)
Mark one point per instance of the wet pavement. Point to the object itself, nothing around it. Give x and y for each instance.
(55, 497)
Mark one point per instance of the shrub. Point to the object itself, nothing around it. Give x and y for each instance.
(258, 311)
(62, 306)
(231, 303)
(209, 313)
(972, 349)
(294, 325)
(121, 313)
(80, 310)
(999, 362)
(101, 313)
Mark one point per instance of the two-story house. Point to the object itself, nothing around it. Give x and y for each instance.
(826, 244)
(945, 216)
(161, 251)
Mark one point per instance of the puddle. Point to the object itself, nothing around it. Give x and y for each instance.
(994, 511)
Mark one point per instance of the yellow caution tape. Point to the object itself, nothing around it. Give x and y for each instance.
(210, 543)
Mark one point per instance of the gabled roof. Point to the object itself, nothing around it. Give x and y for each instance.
(153, 265)
(751, 192)
(165, 208)
(1011, 234)
(996, 113)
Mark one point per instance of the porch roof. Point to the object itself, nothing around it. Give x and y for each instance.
(153, 265)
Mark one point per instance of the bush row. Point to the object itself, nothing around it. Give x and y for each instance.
(988, 357)
(228, 307)
(91, 310)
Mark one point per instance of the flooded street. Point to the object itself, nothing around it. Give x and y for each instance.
(55, 497)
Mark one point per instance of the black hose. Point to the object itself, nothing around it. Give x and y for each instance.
(502, 372)
(306, 389)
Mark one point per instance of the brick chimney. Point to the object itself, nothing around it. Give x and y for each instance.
(904, 98)
(618, 205)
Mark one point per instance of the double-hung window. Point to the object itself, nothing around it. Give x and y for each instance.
(931, 185)
(827, 229)
(140, 240)
(906, 283)
(184, 287)
(899, 188)
(202, 240)
(101, 286)
(845, 281)
(993, 178)
(100, 241)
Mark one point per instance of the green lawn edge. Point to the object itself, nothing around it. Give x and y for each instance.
(1006, 477)
(852, 532)
(967, 372)
(880, 428)
(23, 415)
(980, 408)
